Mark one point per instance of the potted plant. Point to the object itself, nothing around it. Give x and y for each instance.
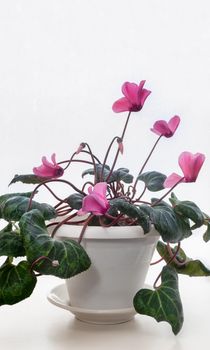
(105, 220)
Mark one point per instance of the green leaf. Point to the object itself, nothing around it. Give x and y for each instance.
(206, 235)
(153, 180)
(75, 200)
(16, 282)
(184, 226)
(164, 303)
(91, 171)
(133, 212)
(70, 255)
(121, 174)
(188, 210)
(192, 268)
(15, 207)
(27, 179)
(5, 197)
(170, 226)
(11, 244)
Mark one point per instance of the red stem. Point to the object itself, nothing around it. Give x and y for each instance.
(106, 156)
(53, 180)
(172, 258)
(165, 195)
(84, 227)
(61, 223)
(118, 151)
(145, 163)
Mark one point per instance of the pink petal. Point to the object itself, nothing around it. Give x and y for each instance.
(53, 159)
(42, 171)
(143, 96)
(91, 205)
(81, 212)
(141, 84)
(101, 201)
(47, 163)
(174, 123)
(191, 165)
(100, 188)
(130, 91)
(161, 128)
(171, 180)
(90, 189)
(121, 105)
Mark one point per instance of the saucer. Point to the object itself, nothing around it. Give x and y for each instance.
(59, 297)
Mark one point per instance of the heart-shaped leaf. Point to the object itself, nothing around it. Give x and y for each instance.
(15, 207)
(188, 210)
(16, 282)
(163, 303)
(133, 212)
(121, 174)
(167, 223)
(153, 180)
(5, 197)
(75, 200)
(27, 179)
(71, 257)
(188, 266)
(11, 244)
(98, 169)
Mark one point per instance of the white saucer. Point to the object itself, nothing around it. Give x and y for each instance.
(59, 297)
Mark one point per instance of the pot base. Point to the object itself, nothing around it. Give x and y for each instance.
(59, 297)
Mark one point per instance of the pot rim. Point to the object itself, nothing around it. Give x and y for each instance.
(99, 232)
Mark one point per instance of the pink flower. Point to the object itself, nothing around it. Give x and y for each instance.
(47, 169)
(161, 127)
(134, 99)
(190, 165)
(95, 202)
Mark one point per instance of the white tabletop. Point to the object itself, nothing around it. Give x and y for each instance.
(36, 324)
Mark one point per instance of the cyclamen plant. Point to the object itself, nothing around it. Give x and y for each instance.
(110, 199)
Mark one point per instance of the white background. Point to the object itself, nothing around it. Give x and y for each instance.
(62, 64)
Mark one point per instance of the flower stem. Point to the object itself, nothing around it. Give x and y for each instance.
(106, 156)
(69, 161)
(165, 195)
(68, 218)
(172, 258)
(93, 160)
(54, 263)
(53, 193)
(145, 163)
(84, 227)
(118, 150)
(156, 262)
(52, 180)
(175, 259)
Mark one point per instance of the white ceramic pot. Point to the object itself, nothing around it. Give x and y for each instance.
(120, 259)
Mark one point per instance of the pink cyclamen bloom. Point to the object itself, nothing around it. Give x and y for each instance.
(167, 129)
(48, 169)
(190, 165)
(95, 202)
(134, 99)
